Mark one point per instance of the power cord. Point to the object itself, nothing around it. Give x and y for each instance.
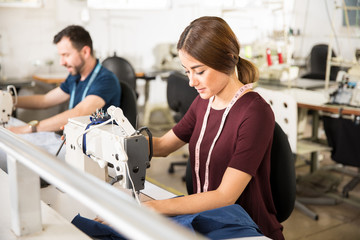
(150, 140)
(62, 144)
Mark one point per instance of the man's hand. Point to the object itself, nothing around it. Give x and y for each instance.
(20, 130)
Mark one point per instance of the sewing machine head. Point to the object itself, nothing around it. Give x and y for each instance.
(93, 145)
(6, 104)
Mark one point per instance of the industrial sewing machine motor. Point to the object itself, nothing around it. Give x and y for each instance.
(7, 104)
(93, 144)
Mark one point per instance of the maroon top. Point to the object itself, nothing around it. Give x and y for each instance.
(244, 144)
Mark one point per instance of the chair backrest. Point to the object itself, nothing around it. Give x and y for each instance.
(188, 178)
(128, 103)
(179, 94)
(318, 61)
(282, 175)
(122, 69)
(285, 108)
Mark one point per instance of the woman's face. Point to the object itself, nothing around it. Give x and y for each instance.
(207, 81)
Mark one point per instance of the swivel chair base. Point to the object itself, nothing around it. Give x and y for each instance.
(179, 163)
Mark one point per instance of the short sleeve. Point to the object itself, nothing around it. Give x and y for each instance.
(107, 88)
(254, 138)
(185, 127)
(66, 85)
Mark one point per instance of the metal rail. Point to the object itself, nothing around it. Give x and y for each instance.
(116, 207)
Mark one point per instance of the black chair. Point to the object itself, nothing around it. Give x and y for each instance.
(127, 78)
(282, 175)
(122, 69)
(179, 97)
(343, 136)
(317, 63)
(128, 103)
(179, 94)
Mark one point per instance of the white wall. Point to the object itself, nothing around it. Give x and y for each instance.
(26, 33)
(314, 19)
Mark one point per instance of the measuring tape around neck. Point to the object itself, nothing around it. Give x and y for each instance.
(73, 90)
(237, 95)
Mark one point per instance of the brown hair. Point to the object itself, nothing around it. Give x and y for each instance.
(78, 36)
(211, 41)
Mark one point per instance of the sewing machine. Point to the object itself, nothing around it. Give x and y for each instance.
(92, 145)
(348, 90)
(7, 104)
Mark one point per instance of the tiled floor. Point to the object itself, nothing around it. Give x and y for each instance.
(340, 221)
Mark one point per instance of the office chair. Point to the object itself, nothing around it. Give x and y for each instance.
(343, 136)
(179, 94)
(122, 69)
(128, 103)
(282, 175)
(317, 63)
(285, 110)
(127, 78)
(179, 97)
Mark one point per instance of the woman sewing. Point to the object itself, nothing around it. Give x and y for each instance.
(229, 129)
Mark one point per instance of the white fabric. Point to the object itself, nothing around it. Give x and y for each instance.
(49, 141)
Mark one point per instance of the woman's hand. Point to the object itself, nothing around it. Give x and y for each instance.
(100, 220)
(62, 129)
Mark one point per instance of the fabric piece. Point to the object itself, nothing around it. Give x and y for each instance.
(343, 136)
(244, 144)
(95, 229)
(221, 223)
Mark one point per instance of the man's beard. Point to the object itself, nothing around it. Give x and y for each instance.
(77, 69)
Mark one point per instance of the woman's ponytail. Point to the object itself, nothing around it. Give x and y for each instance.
(247, 71)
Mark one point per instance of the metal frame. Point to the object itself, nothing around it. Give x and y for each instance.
(27, 162)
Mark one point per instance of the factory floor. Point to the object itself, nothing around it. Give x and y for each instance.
(339, 221)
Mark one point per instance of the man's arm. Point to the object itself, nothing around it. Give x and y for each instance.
(50, 99)
(85, 107)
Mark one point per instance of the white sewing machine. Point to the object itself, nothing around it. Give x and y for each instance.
(7, 104)
(92, 147)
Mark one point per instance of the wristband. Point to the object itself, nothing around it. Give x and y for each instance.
(33, 125)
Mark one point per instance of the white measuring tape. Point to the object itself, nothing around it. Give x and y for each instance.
(238, 94)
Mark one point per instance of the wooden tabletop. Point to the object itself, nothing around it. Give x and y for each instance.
(51, 78)
(336, 109)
